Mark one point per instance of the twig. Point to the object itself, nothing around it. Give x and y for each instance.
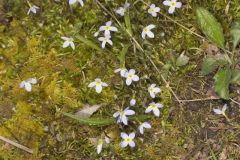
(235, 101)
(16, 145)
(198, 100)
(142, 50)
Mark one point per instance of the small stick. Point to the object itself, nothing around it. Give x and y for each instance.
(16, 145)
(198, 100)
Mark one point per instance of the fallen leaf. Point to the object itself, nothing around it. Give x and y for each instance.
(87, 111)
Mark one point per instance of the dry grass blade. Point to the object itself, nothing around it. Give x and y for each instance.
(16, 145)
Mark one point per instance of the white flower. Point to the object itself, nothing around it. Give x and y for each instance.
(147, 31)
(121, 11)
(172, 4)
(153, 90)
(71, 2)
(27, 84)
(154, 107)
(68, 42)
(33, 9)
(122, 115)
(153, 10)
(105, 40)
(122, 71)
(98, 84)
(99, 146)
(107, 28)
(221, 111)
(142, 126)
(130, 76)
(127, 140)
(132, 102)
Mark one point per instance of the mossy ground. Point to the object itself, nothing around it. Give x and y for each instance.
(31, 46)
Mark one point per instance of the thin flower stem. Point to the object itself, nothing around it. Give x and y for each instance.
(142, 50)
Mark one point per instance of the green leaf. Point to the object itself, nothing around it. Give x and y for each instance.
(222, 81)
(235, 32)
(210, 27)
(102, 121)
(128, 22)
(88, 43)
(236, 76)
(122, 55)
(210, 64)
(182, 60)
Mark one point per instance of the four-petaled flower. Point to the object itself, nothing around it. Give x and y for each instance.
(68, 42)
(142, 126)
(105, 40)
(107, 28)
(122, 71)
(122, 10)
(27, 84)
(33, 9)
(153, 10)
(127, 140)
(221, 111)
(172, 5)
(71, 2)
(154, 107)
(122, 115)
(98, 84)
(131, 76)
(153, 90)
(147, 31)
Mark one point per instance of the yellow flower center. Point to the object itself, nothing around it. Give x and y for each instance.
(153, 10)
(154, 106)
(128, 140)
(173, 4)
(145, 30)
(151, 89)
(121, 10)
(98, 83)
(107, 28)
(130, 75)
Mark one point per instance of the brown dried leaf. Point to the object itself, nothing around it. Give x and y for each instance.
(87, 111)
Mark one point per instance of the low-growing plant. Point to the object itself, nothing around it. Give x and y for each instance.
(225, 63)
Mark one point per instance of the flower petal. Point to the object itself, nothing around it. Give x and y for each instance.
(178, 5)
(124, 144)
(171, 10)
(92, 84)
(156, 112)
(65, 44)
(149, 109)
(132, 135)
(124, 135)
(135, 78)
(167, 3)
(116, 114)
(98, 88)
(99, 148)
(128, 81)
(28, 86)
(129, 112)
(132, 144)
(150, 34)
